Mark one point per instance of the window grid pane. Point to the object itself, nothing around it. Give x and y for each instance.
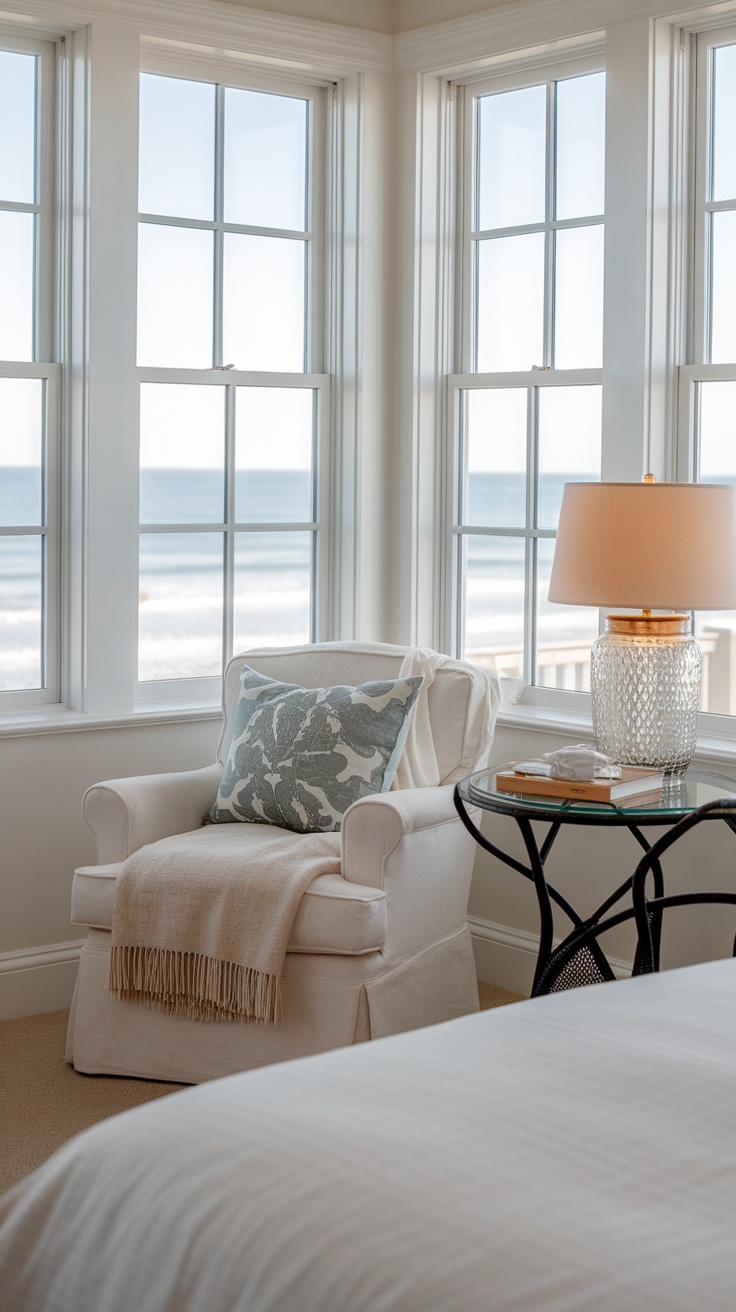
(538, 202)
(521, 446)
(536, 297)
(232, 463)
(24, 470)
(223, 281)
(234, 296)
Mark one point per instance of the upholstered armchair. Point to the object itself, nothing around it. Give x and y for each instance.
(381, 947)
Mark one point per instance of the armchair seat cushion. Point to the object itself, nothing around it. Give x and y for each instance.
(335, 916)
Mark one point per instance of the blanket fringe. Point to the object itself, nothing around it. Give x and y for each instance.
(195, 986)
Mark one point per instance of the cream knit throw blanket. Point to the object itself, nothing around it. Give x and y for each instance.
(201, 920)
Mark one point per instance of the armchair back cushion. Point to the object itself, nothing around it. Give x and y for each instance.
(299, 757)
(324, 664)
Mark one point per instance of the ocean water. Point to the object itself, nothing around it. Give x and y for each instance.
(182, 574)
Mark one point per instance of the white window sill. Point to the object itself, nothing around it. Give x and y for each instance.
(713, 748)
(46, 720)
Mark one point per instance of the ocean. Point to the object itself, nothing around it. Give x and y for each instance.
(181, 574)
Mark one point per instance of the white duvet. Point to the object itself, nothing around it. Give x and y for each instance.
(574, 1152)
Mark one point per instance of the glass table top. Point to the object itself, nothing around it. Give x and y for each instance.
(679, 796)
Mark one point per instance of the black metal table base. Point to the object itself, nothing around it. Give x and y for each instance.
(588, 965)
(578, 958)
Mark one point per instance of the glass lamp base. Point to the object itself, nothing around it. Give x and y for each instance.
(645, 684)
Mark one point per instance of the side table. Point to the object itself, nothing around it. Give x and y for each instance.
(578, 958)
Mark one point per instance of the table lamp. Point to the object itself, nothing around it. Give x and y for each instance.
(656, 546)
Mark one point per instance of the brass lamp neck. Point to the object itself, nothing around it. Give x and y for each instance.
(648, 625)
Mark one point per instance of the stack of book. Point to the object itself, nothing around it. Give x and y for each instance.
(634, 787)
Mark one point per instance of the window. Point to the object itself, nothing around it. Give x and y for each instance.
(708, 383)
(29, 550)
(527, 399)
(232, 406)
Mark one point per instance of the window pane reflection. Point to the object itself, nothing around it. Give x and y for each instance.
(569, 445)
(264, 302)
(579, 298)
(182, 454)
(497, 423)
(724, 117)
(272, 589)
(581, 144)
(494, 602)
(180, 605)
(17, 127)
(21, 622)
(21, 451)
(16, 285)
(512, 128)
(565, 634)
(260, 129)
(716, 630)
(510, 302)
(723, 302)
(273, 454)
(176, 157)
(175, 306)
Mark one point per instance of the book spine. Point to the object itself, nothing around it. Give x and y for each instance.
(573, 791)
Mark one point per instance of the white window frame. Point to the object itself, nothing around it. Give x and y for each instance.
(697, 279)
(531, 73)
(44, 368)
(200, 690)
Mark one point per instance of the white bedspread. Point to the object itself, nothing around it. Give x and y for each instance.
(574, 1152)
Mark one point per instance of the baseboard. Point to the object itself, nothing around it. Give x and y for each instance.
(507, 957)
(42, 979)
(38, 979)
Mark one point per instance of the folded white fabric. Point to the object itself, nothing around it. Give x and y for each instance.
(418, 767)
(196, 932)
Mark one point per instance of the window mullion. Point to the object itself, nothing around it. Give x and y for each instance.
(530, 555)
(219, 236)
(472, 172)
(228, 622)
(549, 242)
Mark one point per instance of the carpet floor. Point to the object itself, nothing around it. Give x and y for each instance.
(43, 1102)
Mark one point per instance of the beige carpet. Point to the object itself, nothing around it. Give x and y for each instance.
(43, 1102)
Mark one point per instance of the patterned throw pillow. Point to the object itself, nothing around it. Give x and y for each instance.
(299, 757)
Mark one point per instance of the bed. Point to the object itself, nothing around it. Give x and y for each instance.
(573, 1152)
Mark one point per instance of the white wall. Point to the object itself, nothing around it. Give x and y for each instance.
(43, 778)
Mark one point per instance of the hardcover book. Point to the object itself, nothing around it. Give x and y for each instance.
(635, 785)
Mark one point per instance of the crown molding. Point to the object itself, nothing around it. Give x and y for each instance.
(452, 48)
(300, 45)
(311, 47)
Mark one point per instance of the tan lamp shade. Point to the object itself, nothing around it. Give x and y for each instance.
(654, 546)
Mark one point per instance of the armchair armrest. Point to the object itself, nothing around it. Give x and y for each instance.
(412, 844)
(125, 814)
(373, 828)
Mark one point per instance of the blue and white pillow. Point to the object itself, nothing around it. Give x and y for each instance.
(299, 757)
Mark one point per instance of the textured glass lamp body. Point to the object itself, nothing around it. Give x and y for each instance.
(645, 685)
